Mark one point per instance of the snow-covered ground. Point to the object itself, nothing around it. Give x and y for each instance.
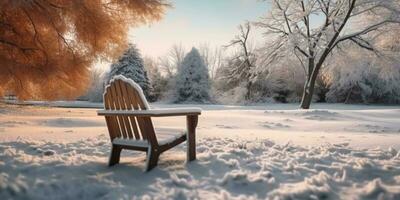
(268, 151)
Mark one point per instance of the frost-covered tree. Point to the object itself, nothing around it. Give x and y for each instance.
(244, 60)
(131, 65)
(169, 65)
(228, 89)
(312, 29)
(192, 80)
(159, 83)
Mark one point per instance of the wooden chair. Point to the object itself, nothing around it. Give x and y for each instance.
(128, 117)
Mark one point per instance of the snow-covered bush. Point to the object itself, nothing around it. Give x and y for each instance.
(350, 84)
(232, 96)
(131, 65)
(288, 82)
(282, 82)
(192, 80)
(359, 77)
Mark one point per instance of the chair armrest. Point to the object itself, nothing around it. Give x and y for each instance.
(152, 113)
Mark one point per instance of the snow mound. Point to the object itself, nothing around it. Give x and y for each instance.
(226, 126)
(372, 128)
(273, 125)
(70, 122)
(319, 112)
(12, 123)
(225, 169)
(320, 115)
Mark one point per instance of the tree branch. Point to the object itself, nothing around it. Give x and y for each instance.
(363, 32)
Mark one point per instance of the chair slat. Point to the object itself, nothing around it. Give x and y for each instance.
(139, 120)
(140, 101)
(110, 120)
(149, 130)
(124, 106)
(111, 97)
(114, 120)
(145, 123)
(116, 97)
(130, 105)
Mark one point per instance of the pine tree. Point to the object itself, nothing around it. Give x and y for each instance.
(192, 81)
(131, 65)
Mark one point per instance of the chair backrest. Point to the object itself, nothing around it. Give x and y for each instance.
(124, 94)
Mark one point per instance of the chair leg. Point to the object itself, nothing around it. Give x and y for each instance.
(115, 155)
(191, 137)
(152, 159)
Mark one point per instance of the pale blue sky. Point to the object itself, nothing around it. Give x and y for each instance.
(194, 22)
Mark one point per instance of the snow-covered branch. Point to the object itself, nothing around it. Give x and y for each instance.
(358, 34)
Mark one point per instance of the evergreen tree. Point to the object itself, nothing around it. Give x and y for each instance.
(192, 81)
(131, 65)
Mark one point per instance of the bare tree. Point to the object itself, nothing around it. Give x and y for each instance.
(244, 59)
(170, 63)
(96, 85)
(293, 25)
(213, 58)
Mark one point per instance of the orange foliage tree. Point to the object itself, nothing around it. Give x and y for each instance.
(47, 46)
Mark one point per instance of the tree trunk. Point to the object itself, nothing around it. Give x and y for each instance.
(309, 85)
(308, 91)
(248, 92)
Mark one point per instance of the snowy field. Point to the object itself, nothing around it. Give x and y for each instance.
(271, 151)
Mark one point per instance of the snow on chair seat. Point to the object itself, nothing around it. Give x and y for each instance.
(128, 117)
